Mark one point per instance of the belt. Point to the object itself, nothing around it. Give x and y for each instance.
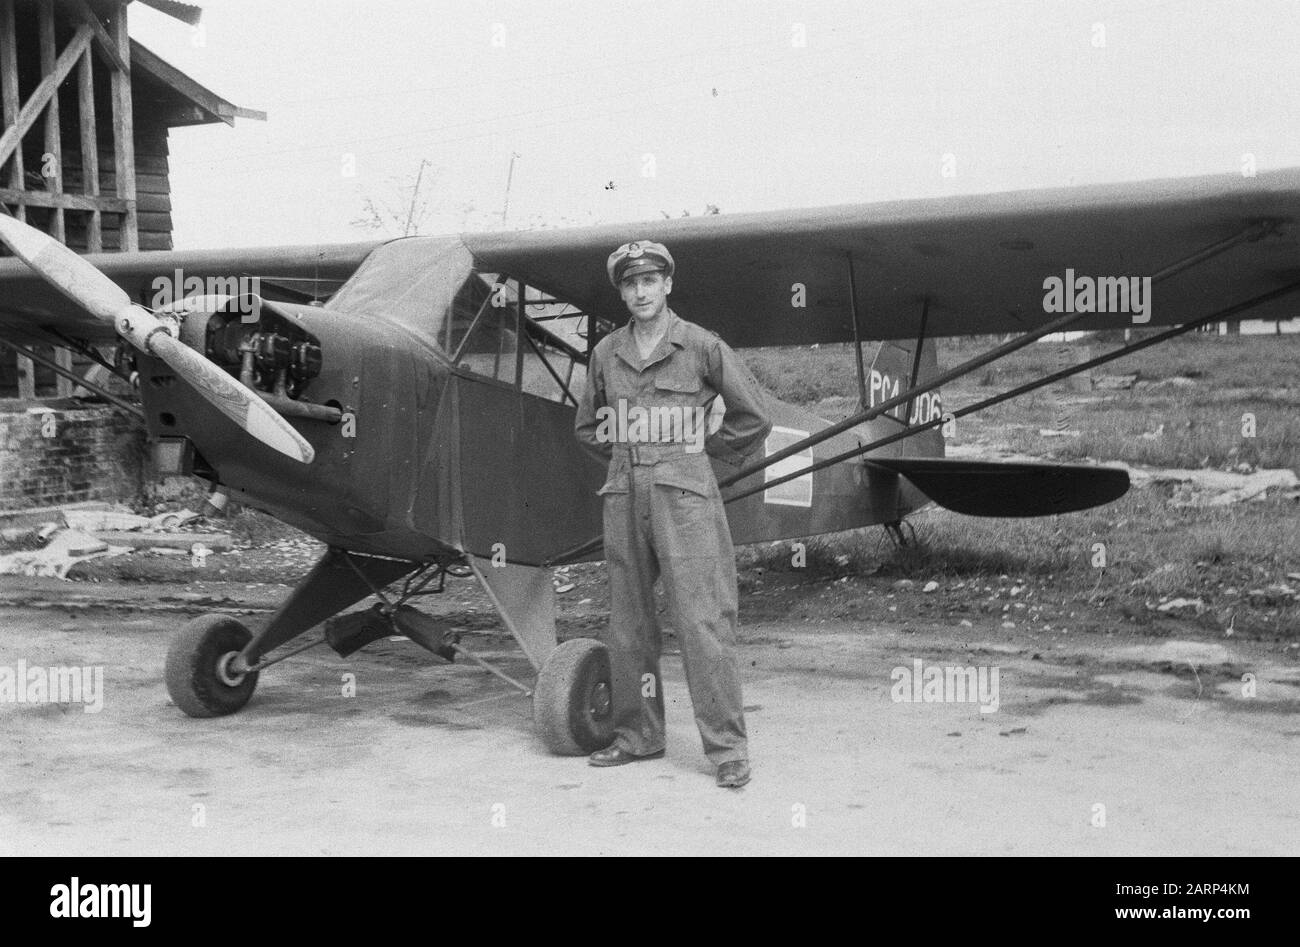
(647, 455)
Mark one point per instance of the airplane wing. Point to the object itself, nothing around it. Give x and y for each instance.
(981, 260)
(28, 303)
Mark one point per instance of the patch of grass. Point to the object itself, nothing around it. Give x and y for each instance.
(829, 556)
(943, 545)
(1210, 550)
(1227, 557)
(950, 546)
(1246, 543)
(1202, 423)
(1167, 580)
(805, 375)
(1232, 361)
(1187, 435)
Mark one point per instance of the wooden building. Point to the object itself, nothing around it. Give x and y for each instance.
(83, 154)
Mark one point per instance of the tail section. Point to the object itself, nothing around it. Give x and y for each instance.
(995, 488)
(892, 372)
(975, 488)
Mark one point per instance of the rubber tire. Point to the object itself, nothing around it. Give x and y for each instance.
(561, 700)
(192, 661)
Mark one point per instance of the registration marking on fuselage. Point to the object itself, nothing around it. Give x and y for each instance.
(799, 491)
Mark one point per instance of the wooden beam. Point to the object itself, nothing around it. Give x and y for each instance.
(26, 378)
(256, 115)
(182, 115)
(52, 158)
(205, 99)
(63, 358)
(149, 164)
(89, 148)
(124, 134)
(107, 46)
(42, 94)
(114, 205)
(147, 186)
(9, 85)
(185, 12)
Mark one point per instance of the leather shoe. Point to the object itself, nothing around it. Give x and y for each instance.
(733, 775)
(616, 756)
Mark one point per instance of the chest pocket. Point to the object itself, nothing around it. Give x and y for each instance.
(678, 384)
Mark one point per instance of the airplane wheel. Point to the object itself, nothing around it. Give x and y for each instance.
(572, 705)
(198, 676)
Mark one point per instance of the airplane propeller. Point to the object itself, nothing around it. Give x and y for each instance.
(105, 300)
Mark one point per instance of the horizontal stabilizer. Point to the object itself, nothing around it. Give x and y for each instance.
(991, 488)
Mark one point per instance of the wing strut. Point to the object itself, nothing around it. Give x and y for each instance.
(86, 349)
(857, 335)
(1255, 231)
(853, 420)
(74, 377)
(916, 357)
(1028, 386)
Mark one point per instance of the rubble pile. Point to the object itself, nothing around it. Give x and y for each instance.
(49, 542)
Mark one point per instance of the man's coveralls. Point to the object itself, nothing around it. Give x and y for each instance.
(664, 517)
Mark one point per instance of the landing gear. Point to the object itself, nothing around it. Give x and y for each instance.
(572, 705)
(896, 535)
(213, 664)
(201, 678)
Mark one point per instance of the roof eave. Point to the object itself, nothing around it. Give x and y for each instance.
(205, 101)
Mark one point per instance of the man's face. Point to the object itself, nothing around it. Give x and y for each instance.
(646, 294)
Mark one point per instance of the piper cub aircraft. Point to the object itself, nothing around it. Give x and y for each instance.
(419, 420)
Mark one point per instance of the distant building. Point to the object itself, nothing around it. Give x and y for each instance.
(1259, 327)
(83, 156)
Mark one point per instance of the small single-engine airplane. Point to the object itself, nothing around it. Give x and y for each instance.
(420, 421)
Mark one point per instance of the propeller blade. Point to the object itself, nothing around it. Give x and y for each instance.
(71, 275)
(86, 286)
(233, 399)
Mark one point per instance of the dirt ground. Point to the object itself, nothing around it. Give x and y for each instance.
(1120, 744)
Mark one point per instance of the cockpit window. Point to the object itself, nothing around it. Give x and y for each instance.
(483, 337)
(430, 285)
(481, 331)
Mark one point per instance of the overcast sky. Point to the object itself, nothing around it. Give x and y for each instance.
(623, 111)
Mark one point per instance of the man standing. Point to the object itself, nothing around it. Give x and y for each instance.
(664, 515)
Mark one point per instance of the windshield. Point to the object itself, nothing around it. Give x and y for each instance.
(412, 281)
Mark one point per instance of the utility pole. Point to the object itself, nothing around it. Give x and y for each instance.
(510, 175)
(415, 196)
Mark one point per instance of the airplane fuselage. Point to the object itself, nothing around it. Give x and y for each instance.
(429, 459)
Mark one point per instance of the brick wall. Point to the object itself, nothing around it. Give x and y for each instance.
(55, 455)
